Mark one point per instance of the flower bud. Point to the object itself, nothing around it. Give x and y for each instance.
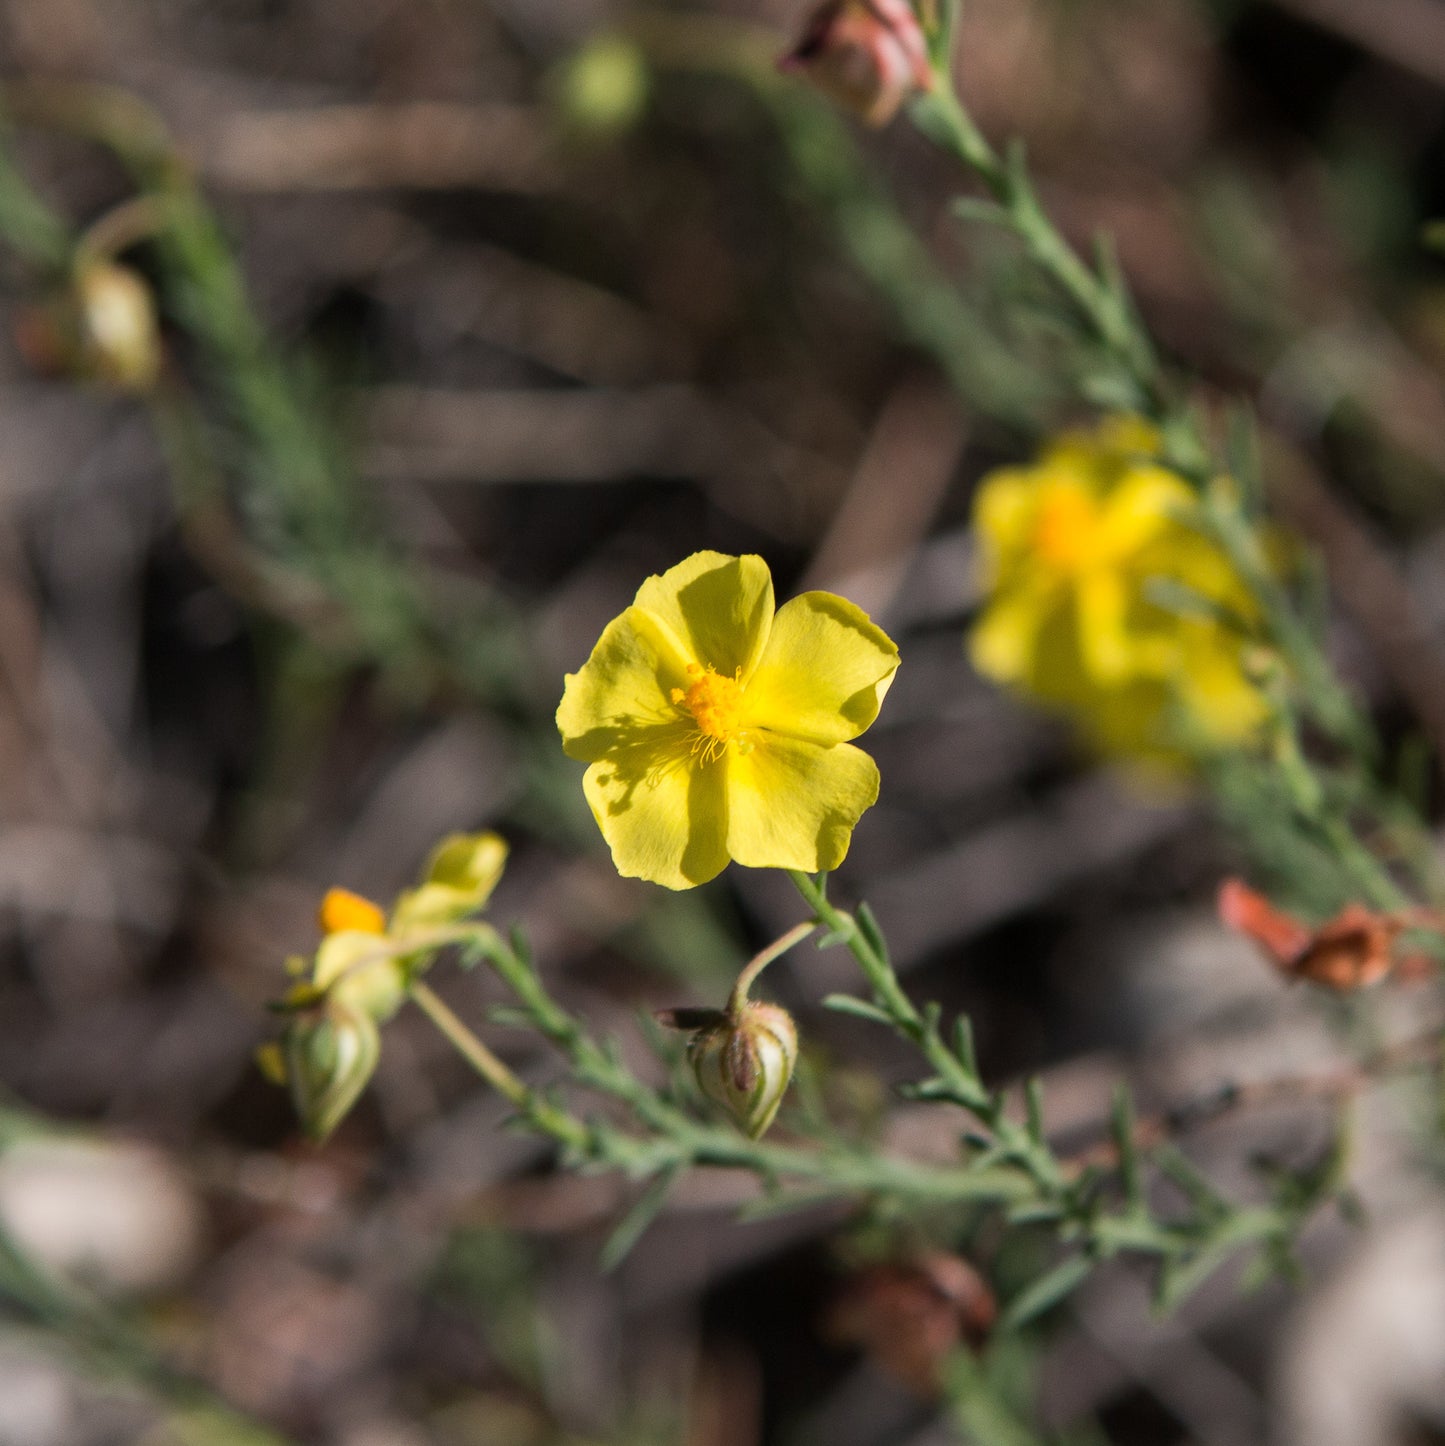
(102, 328)
(329, 1055)
(745, 1063)
(117, 335)
(867, 55)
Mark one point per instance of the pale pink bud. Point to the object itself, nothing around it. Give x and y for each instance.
(867, 55)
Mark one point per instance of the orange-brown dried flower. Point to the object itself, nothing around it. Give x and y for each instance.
(910, 1317)
(1351, 951)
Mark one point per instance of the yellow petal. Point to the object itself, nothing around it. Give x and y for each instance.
(458, 880)
(624, 689)
(824, 672)
(1104, 642)
(662, 811)
(363, 969)
(793, 804)
(1147, 501)
(1003, 516)
(719, 608)
(341, 910)
(1003, 639)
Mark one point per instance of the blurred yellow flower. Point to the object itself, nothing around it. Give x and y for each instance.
(717, 730)
(360, 974)
(1106, 602)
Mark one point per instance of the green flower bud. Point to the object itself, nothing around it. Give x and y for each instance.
(745, 1062)
(329, 1055)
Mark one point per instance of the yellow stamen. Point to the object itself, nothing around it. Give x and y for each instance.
(716, 704)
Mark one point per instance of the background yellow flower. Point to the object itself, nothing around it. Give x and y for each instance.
(1106, 600)
(717, 730)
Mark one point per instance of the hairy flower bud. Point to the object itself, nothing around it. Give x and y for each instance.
(330, 1054)
(867, 55)
(745, 1063)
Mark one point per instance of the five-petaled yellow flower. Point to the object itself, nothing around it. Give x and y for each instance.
(718, 730)
(1107, 602)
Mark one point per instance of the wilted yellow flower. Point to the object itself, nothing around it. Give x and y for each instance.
(1107, 602)
(360, 974)
(717, 730)
(460, 875)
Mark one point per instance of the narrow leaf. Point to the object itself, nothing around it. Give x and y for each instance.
(1034, 1104)
(1121, 1124)
(1183, 1172)
(963, 1045)
(634, 1223)
(849, 1004)
(975, 208)
(868, 927)
(1046, 1292)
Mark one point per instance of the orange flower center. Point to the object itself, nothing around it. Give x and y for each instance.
(715, 702)
(1065, 528)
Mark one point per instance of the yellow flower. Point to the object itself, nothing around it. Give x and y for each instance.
(361, 972)
(1107, 602)
(717, 730)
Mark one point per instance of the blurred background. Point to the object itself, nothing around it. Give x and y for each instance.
(471, 314)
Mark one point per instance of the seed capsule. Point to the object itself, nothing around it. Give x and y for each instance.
(329, 1055)
(746, 1062)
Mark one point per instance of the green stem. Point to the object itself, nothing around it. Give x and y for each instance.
(957, 1080)
(554, 1122)
(1099, 299)
(760, 961)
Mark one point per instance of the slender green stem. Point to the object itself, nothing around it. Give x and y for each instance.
(761, 960)
(469, 1046)
(560, 1126)
(1098, 298)
(957, 1079)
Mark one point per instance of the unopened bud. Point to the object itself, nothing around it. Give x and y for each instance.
(330, 1055)
(117, 335)
(102, 327)
(867, 55)
(745, 1063)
